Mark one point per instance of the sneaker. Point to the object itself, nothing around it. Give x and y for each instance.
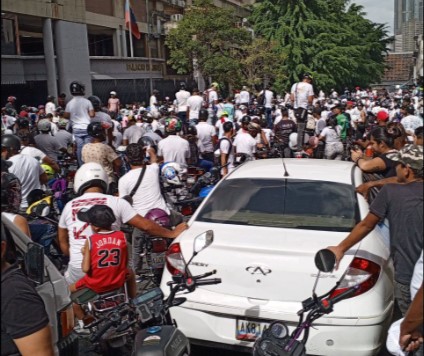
(79, 328)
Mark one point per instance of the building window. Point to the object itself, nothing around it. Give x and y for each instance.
(8, 43)
(100, 45)
(31, 44)
(139, 46)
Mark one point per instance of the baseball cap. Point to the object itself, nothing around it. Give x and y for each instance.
(99, 215)
(409, 155)
(242, 107)
(382, 115)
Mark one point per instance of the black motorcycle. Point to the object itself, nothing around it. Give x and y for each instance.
(276, 339)
(147, 315)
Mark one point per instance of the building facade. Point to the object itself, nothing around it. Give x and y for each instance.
(47, 44)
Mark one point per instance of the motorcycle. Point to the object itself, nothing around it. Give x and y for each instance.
(276, 340)
(147, 315)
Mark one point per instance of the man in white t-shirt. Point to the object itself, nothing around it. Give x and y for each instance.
(410, 122)
(194, 104)
(132, 133)
(226, 149)
(50, 106)
(148, 194)
(244, 96)
(182, 97)
(79, 111)
(212, 101)
(302, 93)
(269, 99)
(206, 134)
(153, 101)
(90, 184)
(245, 141)
(173, 148)
(26, 168)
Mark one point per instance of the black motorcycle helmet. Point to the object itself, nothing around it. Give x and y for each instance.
(191, 130)
(96, 102)
(50, 98)
(11, 142)
(96, 130)
(245, 120)
(146, 141)
(203, 114)
(77, 88)
(22, 122)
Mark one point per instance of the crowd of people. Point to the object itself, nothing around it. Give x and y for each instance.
(119, 147)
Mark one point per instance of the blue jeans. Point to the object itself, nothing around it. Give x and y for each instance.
(206, 165)
(268, 114)
(81, 138)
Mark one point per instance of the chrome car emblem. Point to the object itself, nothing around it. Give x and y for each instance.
(258, 270)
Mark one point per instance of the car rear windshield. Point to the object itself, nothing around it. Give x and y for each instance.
(283, 203)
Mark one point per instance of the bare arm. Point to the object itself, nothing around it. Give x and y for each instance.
(63, 240)
(371, 166)
(37, 344)
(310, 99)
(117, 163)
(410, 335)
(364, 188)
(22, 224)
(154, 229)
(361, 230)
(91, 113)
(86, 258)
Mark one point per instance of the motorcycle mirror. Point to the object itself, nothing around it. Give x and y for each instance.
(178, 301)
(202, 241)
(325, 260)
(34, 262)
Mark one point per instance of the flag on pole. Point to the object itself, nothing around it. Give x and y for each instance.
(131, 21)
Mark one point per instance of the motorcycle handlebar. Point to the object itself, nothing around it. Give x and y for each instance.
(205, 282)
(347, 293)
(201, 276)
(101, 331)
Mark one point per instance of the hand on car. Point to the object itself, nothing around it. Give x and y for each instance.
(410, 342)
(338, 252)
(364, 189)
(180, 228)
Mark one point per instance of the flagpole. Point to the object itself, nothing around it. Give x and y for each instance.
(131, 41)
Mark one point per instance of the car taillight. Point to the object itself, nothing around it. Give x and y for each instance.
(66, 321)
(174, 260)
(187, 210)
(361, 272)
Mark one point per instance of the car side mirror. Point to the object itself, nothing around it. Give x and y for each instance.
(325, 260)
(34, 262)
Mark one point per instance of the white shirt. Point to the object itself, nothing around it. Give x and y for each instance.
(174, 149)
(225, 147)
(182, 97)
(410, 123)
(33, 152)
(205, 132)
(213, 96)
(148, 195)
(244, 96)
(78, 231)
(79, 107)
(219, 126)
(153, 102)
(194, 103)
(302, 91)
(245, 143)
(269, 96)
(331, 136)
(133, 133)
(50, 108)
(28, 171)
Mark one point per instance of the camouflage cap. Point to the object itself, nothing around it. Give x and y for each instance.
(409, 155)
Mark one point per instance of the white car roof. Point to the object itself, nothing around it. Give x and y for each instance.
(309, 169)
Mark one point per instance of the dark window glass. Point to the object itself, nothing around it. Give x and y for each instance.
(100, 45)
(283, 203)
(8, 45)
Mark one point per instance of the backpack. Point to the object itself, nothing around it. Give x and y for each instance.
(261, 99)
(217, 151)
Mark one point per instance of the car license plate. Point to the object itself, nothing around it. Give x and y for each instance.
(249, 330)
(158, 260)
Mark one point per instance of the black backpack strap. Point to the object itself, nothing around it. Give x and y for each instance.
(140, 178)
(231, 144)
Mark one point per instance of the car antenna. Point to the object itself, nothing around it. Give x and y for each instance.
(286, 173)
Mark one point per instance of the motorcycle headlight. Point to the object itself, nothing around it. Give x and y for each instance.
(279, 330)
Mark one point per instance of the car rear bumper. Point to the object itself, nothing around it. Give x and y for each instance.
(336, 337)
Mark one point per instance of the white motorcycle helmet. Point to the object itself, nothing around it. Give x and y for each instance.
(293, 140)
(173, 173)
(88, 175)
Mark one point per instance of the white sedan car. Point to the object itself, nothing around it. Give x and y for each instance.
(267, 227)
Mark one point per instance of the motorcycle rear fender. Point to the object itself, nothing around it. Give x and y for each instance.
(169, 341)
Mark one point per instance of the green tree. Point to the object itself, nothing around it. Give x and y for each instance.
(208, 36)
(326, 37)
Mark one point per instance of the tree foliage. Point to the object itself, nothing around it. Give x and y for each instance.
(326, 37)
(209, 37)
